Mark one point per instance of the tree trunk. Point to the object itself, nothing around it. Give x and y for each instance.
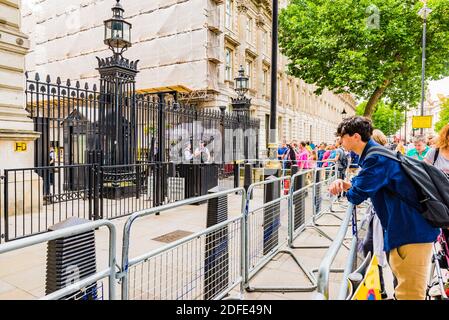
(374, 99)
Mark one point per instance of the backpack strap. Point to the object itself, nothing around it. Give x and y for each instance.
(382, 151)
(389, 154)
(437, 152)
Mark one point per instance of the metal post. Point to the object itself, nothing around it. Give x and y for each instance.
(271, 215)
(274, 68)
(160, 130)
(423, 71)
(299, 200)
(5, 212)
(223, 133)
(247, 181)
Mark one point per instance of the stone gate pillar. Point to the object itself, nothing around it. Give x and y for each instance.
(15, 125)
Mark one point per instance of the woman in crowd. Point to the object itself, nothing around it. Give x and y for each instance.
(439, 156)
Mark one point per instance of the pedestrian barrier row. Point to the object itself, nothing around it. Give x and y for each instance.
(221, 260)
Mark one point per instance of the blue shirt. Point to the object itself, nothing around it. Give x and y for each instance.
(402, 224)
(281, 151)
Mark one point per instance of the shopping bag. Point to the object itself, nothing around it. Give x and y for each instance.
(369, 288)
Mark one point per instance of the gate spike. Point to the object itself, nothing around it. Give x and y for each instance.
(95, 87)
(26, 74)
(68, 82)
(58, 81)
(36, 76)
(77, 84)
(48, 80)
(86, 86)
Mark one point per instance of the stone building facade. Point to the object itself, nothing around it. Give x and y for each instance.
(192, 46)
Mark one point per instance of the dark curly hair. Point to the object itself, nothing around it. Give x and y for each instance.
(356, 124)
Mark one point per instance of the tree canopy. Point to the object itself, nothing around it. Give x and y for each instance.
(370, 48)
(385, 118)
(444, 115)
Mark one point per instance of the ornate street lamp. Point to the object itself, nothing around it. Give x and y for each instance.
(117, 32)
(117, 125)
(241, 104)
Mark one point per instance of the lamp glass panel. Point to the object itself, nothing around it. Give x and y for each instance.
(117, 30)
(127, 32)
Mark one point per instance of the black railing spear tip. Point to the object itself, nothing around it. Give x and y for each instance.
(95, 87)
(68, 82)
(36, 76)
(86, 86)
(48, 80)
(58, 81)
(26, 74)
(77, 84)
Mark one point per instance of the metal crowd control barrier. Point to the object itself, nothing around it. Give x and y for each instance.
(265, 228)
(325, 266)
(206, 265)
(109, 272)
(319, 209)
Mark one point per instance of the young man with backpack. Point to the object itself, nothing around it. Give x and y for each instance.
(385, 179)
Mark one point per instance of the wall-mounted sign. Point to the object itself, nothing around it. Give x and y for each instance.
(20, 147)
(419, 122)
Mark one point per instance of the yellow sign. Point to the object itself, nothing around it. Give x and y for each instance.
(20, 147)
(369, 289)
(419, 122)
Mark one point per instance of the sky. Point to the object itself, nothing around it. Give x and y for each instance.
(441, 86)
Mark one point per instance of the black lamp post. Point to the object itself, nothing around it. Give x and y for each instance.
(117, 118)
(241, 104)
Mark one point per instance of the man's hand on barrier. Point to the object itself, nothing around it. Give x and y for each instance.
(339, 186)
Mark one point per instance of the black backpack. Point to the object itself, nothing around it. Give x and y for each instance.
(431, 184)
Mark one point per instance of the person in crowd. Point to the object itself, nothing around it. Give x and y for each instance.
(439, 156)
(303, 156)
(289, 157)
(400, 147)
(353, 163)
(188, 155)
(202, 153)
(431, 140)
(408, 237)
(320, 154)
(282, 149)
(420, 150)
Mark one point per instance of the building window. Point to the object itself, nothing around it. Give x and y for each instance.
(249, 72)
(249, 30)
(228, 14)
(228, 64)
(264, 42)
(265, 82)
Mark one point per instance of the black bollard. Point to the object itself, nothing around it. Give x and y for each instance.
(271, 215)
(70, 260)
(248, 177)
(236, 175)
(299, 199)
(216, 263)
(318, 197)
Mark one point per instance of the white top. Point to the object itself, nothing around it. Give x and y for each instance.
(441, 163)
